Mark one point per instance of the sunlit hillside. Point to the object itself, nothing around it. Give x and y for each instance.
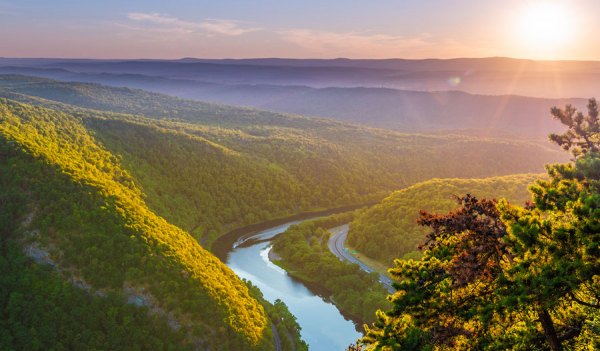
(388, 231)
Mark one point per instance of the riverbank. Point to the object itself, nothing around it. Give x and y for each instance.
(273, 256)
(356, 291)
(278, 261)
(250, 260)
(224, 244)
(346, 311)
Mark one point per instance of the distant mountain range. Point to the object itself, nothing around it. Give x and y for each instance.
(488, 76)
(489, 63)
(378, 107)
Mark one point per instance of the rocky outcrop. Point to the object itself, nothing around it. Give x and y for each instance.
(140, 297)
(38, 254)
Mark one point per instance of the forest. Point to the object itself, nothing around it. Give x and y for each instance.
(88, 215)
(498, 276)
(388, 230)
(383, 232)
(307, 163)
(123, 191)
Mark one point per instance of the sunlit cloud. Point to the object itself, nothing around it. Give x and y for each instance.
(373, 45)
(207, 26)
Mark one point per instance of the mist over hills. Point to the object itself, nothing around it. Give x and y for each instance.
(490, 76)
(377, 107)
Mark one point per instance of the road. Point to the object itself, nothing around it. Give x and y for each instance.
(336, 245)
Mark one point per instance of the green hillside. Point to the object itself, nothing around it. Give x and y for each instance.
(388, 230)
(88, 213)
(208, 168)
(39, 310)
(112, 195)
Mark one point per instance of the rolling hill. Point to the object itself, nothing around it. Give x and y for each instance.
(85, 214)
(402, 110)
(489, 76)
(307, 163)
(388, 231)
(114, 190)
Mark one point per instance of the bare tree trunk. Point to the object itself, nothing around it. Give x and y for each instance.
(549, 331)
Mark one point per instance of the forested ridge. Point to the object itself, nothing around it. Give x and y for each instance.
(388, 230)
(206, 167)
(499, 276)
(114, 192)
(89, 215)
(383, 232)
(40, 310)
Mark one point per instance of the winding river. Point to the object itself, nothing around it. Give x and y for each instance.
(245, 251)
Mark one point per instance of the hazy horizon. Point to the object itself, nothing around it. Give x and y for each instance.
(294, 58)
(311, 29)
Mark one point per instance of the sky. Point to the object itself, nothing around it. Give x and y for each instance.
(370, 29)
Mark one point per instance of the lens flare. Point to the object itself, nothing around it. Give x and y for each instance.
(545, 25)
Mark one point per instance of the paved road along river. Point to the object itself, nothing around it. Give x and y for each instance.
(337, 246)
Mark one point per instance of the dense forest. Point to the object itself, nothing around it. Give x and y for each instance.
(499, 276)
(305, 253)
(39, 310)
(85, 214)
(305, 163)
(282, 319)
(388, 230)
(115, 191)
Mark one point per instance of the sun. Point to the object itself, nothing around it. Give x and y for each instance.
(545, 25)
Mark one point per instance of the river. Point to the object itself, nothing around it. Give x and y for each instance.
(324, 326)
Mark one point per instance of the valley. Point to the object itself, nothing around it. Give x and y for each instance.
(174, 204)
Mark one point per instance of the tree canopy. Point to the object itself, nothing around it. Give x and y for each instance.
(498, 276)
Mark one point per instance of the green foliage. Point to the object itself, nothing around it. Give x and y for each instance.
(474, 288)
(497, 276)
(557, 242)
(40, 311)
(304, 251)
(98, 184)
(285, 322)
(583, 131)
(388, 230)
(208, 168)
(88, 213)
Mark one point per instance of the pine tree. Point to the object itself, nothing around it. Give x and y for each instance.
(498, 276)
